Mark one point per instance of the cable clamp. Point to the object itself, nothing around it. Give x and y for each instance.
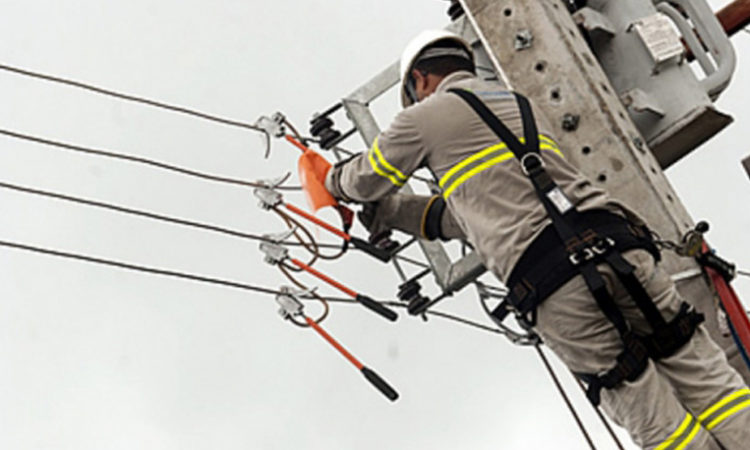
(274, 252)
(268, 198)
(271, 126)
(289, 302)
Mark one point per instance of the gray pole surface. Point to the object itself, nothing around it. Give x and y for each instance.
(561, 75)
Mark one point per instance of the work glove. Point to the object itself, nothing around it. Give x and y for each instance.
(405, 212)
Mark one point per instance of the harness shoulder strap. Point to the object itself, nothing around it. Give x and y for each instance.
(502, 131)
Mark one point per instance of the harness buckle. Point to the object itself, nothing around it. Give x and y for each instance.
(531, 162)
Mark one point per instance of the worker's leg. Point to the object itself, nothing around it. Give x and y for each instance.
(699, 373)
(573, 326)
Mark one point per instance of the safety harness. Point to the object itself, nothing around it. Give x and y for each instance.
(573, 245)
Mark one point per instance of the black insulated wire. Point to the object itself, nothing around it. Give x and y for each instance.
(212, 280)
(131, 98)
(169, 219)
(138, 160)
(564, 396)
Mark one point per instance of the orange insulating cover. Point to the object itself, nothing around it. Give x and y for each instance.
(312, 174)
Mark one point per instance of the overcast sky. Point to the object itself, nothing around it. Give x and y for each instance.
(96, 358)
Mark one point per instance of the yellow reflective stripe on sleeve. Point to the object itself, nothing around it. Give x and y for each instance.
(383, 167)
(682, 436)
(724, 408)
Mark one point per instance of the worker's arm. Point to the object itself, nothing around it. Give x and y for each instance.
(394, 156)
(418, 215)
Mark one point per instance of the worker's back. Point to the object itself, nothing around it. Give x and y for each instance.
(493, 201)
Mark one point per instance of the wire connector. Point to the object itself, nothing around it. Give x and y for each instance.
(290, 305)
(275, 253)
(273, 125)
(268, 198)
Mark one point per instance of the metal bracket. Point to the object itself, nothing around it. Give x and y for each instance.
(594, 22)
(524, 39)
(639, 101)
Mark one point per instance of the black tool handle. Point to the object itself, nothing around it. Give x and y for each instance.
(724, 267)
(377, 307)
(380, 383)
(370, 249)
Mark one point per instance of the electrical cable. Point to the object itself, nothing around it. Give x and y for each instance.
(212, 280)
(599, 414)
(170, 219)
(132, 98)
(138, 160)
(560, 389)
(744, 273)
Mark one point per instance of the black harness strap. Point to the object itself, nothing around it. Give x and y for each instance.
(585, 248)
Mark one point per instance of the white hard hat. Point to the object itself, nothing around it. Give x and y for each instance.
(416, 46)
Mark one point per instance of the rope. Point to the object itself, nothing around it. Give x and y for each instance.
(136, 159)
(132, 98)
(564, 396)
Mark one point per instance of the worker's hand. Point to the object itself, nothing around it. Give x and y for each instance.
(371, 219)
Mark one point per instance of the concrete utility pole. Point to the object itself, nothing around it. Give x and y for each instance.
(637, 60)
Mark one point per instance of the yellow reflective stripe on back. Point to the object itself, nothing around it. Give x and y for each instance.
(378, 165)
(498, 159)
(470, 160)
(545, 143)
(455, 183)
(682, 436)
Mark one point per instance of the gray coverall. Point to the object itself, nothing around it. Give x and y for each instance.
(692, 399)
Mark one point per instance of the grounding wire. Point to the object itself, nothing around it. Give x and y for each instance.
(132, 98)
(138, 160)
(211, 280)
(169, 219)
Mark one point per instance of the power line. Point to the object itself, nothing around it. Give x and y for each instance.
(135, 159)
(131, 211)
(139, 268)
(132, 98)
(212, 280)
(169, 219)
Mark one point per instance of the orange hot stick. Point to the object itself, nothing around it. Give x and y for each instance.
(296, 143)
(317, 221)
(323, 277)
(333, 342)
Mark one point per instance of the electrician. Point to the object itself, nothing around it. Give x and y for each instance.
(581, 267)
